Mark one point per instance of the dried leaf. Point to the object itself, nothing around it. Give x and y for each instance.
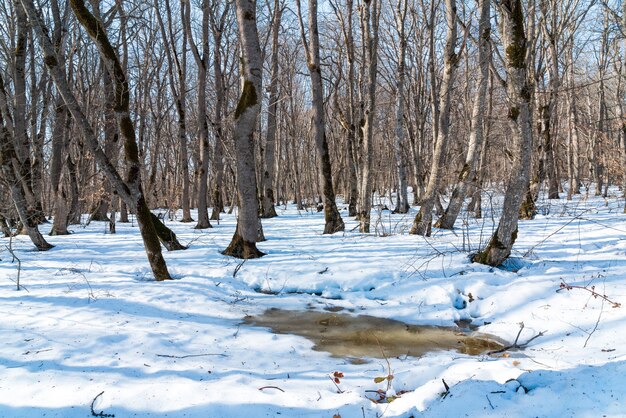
(379, 379)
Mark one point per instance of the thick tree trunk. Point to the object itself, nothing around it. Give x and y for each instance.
(472, 159)
(518, 90)
(243, 244)
(422, 223)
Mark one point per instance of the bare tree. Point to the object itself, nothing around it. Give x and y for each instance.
(269, 160)
(243, 244)
(8, 161)
(519, 118)
(422, 223)
(202, 62)
(472, 158)
(334, 223)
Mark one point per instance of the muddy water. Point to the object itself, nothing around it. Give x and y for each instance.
(360, 336)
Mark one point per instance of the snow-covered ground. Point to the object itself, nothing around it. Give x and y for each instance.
(91, 320)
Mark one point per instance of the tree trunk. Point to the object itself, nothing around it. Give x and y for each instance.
(8, 159)
(218, 27)
(268, 200)
(518, 92)
(472, 159)
(131, 190)
(243, 244)
(333, 220)
(370, 20)
(203, 127)
(423, 220)
(402, 198)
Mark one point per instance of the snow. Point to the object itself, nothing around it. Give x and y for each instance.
(91, 320)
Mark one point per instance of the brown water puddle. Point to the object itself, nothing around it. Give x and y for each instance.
(359, 336)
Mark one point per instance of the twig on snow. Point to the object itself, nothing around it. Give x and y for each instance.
(101, 413)
(192, 355)
(271, 387)
(591, 290)
(595, 327)
(239, 266)
(515, 344)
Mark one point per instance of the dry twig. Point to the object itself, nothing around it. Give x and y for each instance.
(591, 290)
(515, 344)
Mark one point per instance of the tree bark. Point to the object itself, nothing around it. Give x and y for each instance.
(8, 160)
(402, 198)
(333, 221)
(472, 159)
(519, 118)
(268, 200)
(243, 244)
(203, 127)
(130, 190)
(422, 223)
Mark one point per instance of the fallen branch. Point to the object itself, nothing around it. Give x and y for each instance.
(515, 344)
(192, 355)
(591, 290)
(101, 413)
(271, 387)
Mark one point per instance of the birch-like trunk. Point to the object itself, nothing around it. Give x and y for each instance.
(472, 159)
(519, 117)
(369, 22)
(422, 223)
(243, 244)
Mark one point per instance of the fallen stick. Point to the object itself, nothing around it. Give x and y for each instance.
(101, 413)
(271, 387)
(515, 345)
(191, 355)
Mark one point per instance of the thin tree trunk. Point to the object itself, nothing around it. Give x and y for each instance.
(422, 223)
(333, 220)
(402, 199)
(8, 159)
(218, 27)
(472, 159)
(268, 200)
(203, 127)
(370, 20)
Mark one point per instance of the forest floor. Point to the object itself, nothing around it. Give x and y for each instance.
(91, 334)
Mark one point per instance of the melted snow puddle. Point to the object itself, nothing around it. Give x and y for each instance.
(355, 337)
